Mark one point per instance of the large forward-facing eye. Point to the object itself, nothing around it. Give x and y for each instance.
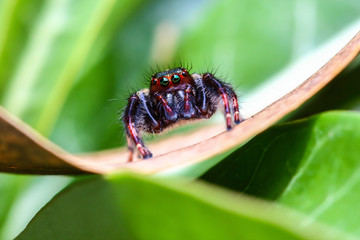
(175, 78)
(164, 82)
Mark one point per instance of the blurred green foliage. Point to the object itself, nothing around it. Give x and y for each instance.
(134, 207)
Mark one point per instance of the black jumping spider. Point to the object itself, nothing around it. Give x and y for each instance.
(174, 95)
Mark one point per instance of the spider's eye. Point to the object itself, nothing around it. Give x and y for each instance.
(175, 78)
(164, 82)
(154, 81)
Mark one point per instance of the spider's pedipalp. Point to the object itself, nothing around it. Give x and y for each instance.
(189, 100)
(169, 113)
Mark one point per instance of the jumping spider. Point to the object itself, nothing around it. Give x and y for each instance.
(174, 95)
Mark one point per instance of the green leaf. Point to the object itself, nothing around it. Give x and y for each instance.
(68, 37)
(21, 197)
(311, 165)
(251, 40)
(17, 18)
(130, 207)
(10, 188)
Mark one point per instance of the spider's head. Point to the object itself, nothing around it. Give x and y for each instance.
(170, 79)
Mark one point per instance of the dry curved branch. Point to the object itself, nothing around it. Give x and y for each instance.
(22, 150)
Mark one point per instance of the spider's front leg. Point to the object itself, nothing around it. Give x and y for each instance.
(131, 115)
(228, 97)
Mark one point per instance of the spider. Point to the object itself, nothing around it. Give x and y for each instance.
(175, 95)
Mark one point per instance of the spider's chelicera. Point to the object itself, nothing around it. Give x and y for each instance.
(176, 95)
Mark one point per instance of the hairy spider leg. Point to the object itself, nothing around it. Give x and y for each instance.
(150, 115)
(237, 118)
(222, 90)
(131, 130)
(201, 96)
(225, 99)
(189, 110)
(169, 113)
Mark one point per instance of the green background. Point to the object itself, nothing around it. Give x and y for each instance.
(67, 68)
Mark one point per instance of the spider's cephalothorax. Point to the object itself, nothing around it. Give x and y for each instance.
(174, 95)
